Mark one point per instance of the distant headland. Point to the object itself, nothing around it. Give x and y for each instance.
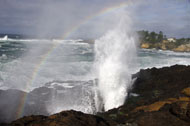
(150, 40)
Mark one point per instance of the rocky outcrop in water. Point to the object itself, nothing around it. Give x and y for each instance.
(9, 100)
(159, 97)
(165, 45)
(163, 99)
(43, 100)
(182, 48)
(15, 103)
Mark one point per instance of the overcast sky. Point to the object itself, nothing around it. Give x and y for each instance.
(57, 17)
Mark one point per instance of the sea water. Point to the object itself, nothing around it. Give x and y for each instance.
(29, 64)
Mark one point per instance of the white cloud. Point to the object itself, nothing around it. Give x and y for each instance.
(56, 17)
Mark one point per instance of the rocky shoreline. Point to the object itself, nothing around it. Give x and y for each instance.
(159, 97)
(166, 46)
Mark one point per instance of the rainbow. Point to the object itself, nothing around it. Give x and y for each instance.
(37, 68)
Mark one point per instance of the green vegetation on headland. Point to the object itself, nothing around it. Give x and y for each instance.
(150, 40)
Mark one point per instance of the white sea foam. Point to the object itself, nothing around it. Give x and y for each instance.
(63, 84)
(37, 66)
(76, 95)
(5, 38)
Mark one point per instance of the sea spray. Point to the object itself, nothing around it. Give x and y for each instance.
(114, 55)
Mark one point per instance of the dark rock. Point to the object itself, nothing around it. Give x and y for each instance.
(10, 101)
(163, 100)
(181, 110)
(35, 102)
(65, 118)
(159, 84)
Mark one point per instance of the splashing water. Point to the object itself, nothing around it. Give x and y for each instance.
(115, 54)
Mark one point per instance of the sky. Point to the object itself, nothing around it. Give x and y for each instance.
(56, 18)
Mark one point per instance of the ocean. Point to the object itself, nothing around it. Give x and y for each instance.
(67, 64)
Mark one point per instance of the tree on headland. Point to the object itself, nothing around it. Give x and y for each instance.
(160, 41)
(153, 37)
(160, 36)
(165, 37)
(143, 35)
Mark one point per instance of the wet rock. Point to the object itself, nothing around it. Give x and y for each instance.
(39, 101)
(159, 104)
(9, 102)
(163, 100)
(181, 110)
(15, 104)
(186, 91)
(145, 45)
(65, 118)
(182, 48)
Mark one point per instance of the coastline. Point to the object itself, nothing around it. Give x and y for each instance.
(166, 47)
(159, 96)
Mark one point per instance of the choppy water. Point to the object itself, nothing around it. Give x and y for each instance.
(37, 62)
(28, 64)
